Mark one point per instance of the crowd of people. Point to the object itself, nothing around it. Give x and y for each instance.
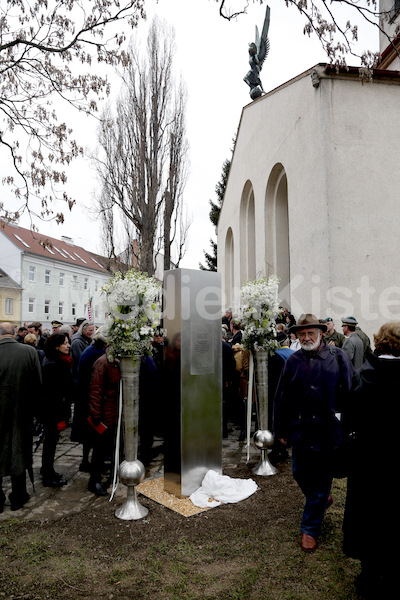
(332, 400)
(58, 380)
(328, 392)
(353, 341)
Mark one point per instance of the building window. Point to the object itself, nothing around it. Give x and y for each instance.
(60, 309)
(31, 305)
(32, 274)
(73, 310)
(96, 285)
(9, 306)
(96, 311)
(85, 283)
(47, 307)
(47, 276)
(75, 281)
(61, 279)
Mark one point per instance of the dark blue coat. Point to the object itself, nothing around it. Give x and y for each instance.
(84, 377)
(312, 388)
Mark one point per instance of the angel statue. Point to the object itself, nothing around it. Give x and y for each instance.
(258, 51)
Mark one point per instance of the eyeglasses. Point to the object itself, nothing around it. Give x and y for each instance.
(313, 333)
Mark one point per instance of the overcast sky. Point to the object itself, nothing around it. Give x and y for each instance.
(212, 55)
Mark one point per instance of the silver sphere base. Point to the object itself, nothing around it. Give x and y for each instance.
(264, 467)
(131, 510)
(130, 474)
(263, 439)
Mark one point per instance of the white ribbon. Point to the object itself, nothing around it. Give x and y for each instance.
(117, 444)
(249, 403)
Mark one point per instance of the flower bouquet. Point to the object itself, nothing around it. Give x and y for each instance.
(133, 307)
(259, 299)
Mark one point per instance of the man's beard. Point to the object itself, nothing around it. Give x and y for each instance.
(311, 347)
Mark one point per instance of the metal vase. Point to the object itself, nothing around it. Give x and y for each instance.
(131, 470)
(263, 438)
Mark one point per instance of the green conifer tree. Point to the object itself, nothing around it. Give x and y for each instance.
(211, 258)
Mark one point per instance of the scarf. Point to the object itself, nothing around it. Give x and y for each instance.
(66, 358)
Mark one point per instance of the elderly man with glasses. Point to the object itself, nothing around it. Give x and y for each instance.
(312, 391)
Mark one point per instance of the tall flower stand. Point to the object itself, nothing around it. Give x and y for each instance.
(263, 438)
(131, 470)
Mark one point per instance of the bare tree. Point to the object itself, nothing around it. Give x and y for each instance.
(47, 50)
(143, 151)
(175, 226)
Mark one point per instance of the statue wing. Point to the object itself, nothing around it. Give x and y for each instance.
(262, 42)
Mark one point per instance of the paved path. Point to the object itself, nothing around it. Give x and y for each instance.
(53, 503)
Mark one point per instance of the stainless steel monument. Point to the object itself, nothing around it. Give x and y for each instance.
(193, 378)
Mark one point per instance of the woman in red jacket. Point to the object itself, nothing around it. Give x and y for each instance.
(103, 412)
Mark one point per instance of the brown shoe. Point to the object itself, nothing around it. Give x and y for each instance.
(308, 543)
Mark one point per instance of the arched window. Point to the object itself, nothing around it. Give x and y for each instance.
(251, 238)
(229, 267)
(277, 255)
(247, 235)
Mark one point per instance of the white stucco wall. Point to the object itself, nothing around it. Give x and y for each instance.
(364, 181)
(338, 145)
(284, 127)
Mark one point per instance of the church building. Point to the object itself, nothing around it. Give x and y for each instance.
(313, 193)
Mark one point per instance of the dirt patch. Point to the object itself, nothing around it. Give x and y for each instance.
(245, 550)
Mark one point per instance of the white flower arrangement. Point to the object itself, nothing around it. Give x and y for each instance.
(133, 305)
(259, 307)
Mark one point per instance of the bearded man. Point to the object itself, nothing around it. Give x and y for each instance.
(311, 393)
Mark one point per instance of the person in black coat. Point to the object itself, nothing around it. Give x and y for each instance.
(20, 388)
(22, 332)
(228, 377)
(313, 388)
(172, 400)
(148, 392)
(237, 333)
(57, 398)
(371, 509)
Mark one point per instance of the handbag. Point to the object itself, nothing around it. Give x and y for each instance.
(100, 428)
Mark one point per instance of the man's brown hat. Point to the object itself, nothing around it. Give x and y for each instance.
(308, 320)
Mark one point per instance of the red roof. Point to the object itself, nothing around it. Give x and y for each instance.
(39, 244)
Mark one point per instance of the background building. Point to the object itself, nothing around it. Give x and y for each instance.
(55, 278)
(312, 196)
(10, 299)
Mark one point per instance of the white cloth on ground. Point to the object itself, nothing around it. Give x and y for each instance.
(222, 489)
